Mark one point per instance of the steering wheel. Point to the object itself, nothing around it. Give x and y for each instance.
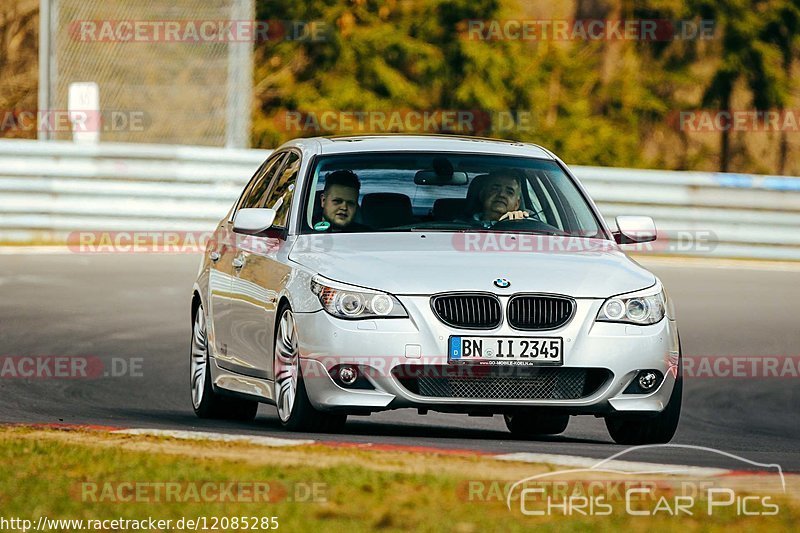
(526, 224)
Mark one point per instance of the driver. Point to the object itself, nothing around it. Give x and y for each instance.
(500, 199)
(339, 202)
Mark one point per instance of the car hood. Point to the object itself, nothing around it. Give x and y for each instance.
(427, 263)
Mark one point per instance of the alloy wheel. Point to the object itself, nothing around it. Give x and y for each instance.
(287, 365)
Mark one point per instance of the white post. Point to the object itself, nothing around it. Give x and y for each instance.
(45, 56)
(83, 107)
(240, 80)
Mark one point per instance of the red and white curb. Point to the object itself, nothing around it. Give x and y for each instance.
(524, 457)
(572, 461)
(617, 465)
(216, 437)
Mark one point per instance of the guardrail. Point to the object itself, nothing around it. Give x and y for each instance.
(48, 189)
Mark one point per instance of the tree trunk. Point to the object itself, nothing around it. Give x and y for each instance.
(783, 143)
(725, 134)
(724, 152)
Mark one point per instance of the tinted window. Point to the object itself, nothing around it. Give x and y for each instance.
(282, 189)
(256, 191)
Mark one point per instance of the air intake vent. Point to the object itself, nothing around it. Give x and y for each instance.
(468, 310)
(501, 383)
(536, 312)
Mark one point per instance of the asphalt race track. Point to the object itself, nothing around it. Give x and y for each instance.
(135, 307)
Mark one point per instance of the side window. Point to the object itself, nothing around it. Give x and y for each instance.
(537, 204)
(254, 195)
(552, 207)
(282, 190)
(577, 214)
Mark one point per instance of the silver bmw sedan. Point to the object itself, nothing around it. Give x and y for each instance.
(368, 273)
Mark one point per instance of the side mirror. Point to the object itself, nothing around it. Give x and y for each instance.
(634, 229)
(253, 220)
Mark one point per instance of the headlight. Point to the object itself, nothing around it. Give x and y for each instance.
(642, 308)
(344, 301)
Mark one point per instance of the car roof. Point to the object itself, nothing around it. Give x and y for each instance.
(418, 143)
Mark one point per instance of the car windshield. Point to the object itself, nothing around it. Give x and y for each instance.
(416, 191)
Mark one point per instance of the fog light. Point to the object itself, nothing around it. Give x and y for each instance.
(348, 375)
(647, 380)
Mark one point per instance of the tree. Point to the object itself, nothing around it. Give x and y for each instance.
(744, 56)
(782, 29)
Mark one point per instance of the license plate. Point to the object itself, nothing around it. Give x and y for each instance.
(519, 351)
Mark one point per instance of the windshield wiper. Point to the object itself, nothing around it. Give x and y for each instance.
(528, 231)
(435, 226)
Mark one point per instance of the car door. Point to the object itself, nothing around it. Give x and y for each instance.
(222, 255)
(258, 275)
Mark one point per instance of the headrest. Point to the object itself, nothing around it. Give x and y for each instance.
(449, 208)
(386, 209)
(474, 193)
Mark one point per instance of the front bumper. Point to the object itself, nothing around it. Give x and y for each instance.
(381, 347)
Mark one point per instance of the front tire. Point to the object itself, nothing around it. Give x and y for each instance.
(532, 423)
(206, 402)
(658, 429)
(295, 410)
